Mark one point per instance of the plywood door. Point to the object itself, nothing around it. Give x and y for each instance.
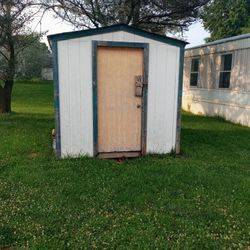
(119, 110)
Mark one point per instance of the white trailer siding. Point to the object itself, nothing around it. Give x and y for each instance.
(75, 93)
(207, 98)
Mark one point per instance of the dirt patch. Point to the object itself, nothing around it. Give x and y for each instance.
(32, 156)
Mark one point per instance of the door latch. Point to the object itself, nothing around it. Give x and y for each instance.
(138, 86)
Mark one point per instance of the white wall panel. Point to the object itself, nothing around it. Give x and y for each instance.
(75, 81)
(86, 112)
(162, 99)
(74, 95)
(63, 61)
(231, 105)
(117, 36)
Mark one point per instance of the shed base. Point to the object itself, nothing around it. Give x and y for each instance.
(113, 155)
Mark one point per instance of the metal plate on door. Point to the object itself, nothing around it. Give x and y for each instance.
(138, 85)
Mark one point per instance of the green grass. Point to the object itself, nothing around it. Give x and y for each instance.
(198, 201)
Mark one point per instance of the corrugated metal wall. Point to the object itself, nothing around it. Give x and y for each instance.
(75, 86)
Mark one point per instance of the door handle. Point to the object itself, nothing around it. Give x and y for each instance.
(138, 106)
(138, 86)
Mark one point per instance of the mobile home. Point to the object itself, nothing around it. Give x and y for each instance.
(217, 79)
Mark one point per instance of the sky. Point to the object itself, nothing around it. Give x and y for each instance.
(195, 35)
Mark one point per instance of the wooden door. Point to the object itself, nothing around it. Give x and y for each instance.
(119, 110)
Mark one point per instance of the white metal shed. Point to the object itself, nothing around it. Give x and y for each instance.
(117, 92)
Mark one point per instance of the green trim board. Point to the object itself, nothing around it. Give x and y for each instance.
(94, 95)
(144, 46)
(145, 99)
(56, 97)
(179, 102)
(115, 28)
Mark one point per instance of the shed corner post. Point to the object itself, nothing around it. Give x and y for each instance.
(56, 96)
(179, 101)
(94, 97)
(145, 98)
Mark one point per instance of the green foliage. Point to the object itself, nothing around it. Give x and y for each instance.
(197, 201)
(15, 16)
(246, 29)
(154, 15)
(32, 59)
(226, 18)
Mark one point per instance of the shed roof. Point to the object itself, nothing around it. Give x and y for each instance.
(115, 28)
(221, 41)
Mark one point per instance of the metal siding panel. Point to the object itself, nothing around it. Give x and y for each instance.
(118, 36)
(175, 88)
(241, 71)
(86, 111)
(230, 104)
(187, 71)
(234, 45)
(129, 37)
(247, 71)
(114, 36)
(215, 67)
(162, 98)
(152, 90)
(165, 106)
(76, 98)
(105, 37)
(143, 39)
(88, 38)
(74, 95)
(205, 71)
(63, 61)
(202, 72)
(209, 71)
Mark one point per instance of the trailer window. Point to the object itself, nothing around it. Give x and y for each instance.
(194, 77)
(225, 73)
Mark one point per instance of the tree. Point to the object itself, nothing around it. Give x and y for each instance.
(226, 18)
(33, 59)
(152, 15)
(14, 37)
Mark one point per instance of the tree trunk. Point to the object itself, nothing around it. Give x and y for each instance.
(136, 14)
(9, 33)
(2, 103)
(5, 97)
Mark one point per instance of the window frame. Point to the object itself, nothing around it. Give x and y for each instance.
(222, 64)
(194, 72)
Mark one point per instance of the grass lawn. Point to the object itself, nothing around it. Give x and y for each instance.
(198, 201)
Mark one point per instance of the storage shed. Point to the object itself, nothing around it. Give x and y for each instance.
(217, 79)
(118, 92)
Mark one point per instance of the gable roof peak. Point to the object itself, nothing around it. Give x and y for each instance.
(115, 28)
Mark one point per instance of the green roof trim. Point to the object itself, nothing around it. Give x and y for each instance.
(115, 28)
